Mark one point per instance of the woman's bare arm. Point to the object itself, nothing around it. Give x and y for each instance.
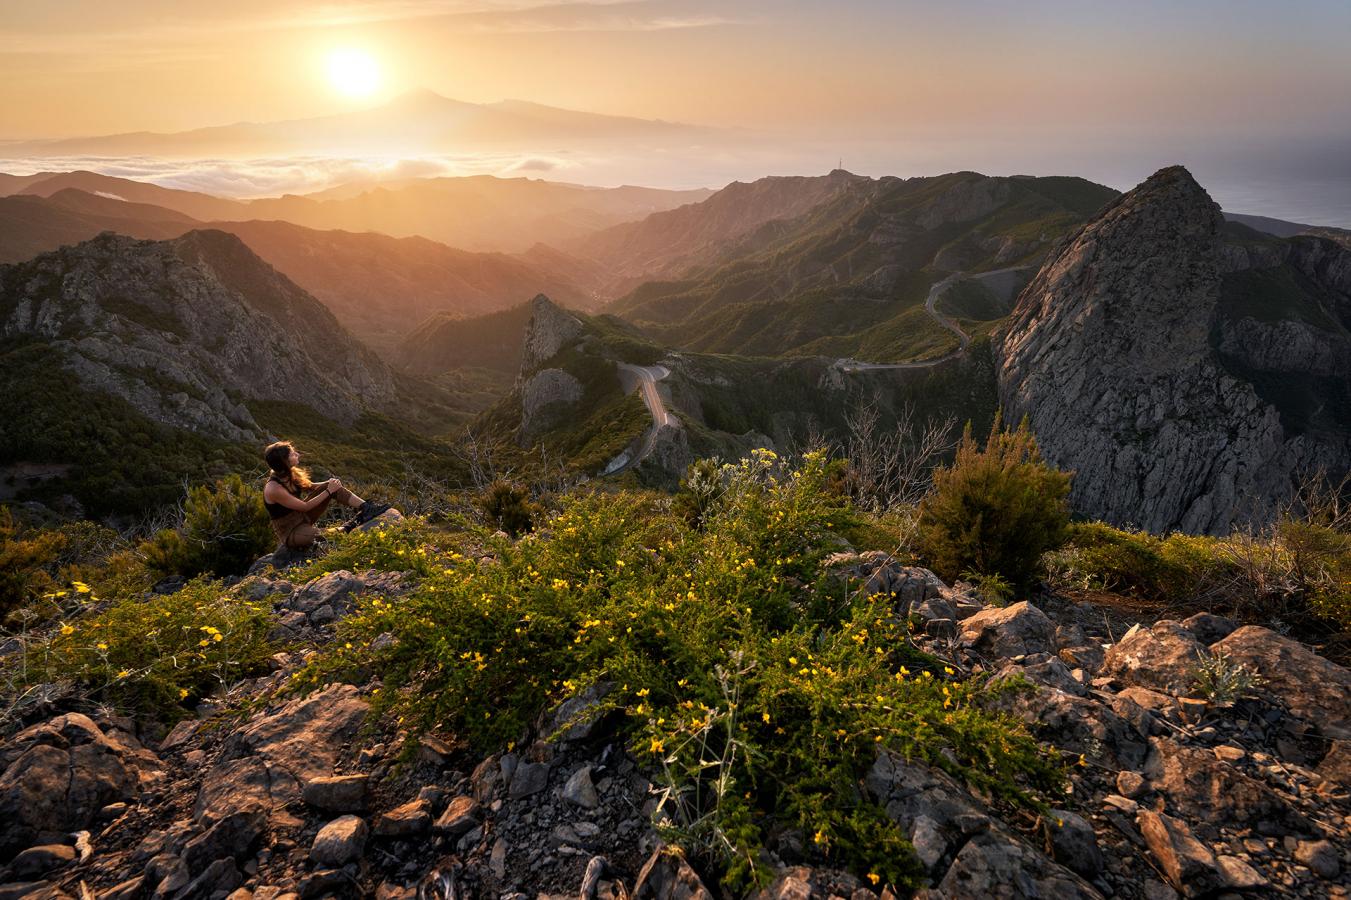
(275, 493)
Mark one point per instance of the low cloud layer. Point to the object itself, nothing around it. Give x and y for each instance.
(252, 178)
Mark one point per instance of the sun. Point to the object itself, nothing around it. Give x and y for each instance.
(353, 72)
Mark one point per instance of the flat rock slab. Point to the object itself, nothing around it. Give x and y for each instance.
(1312, 687)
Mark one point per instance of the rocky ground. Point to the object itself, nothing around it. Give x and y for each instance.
(300, 797)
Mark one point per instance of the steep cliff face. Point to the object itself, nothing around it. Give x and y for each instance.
(549, 330)
(1112, 354)
(187, 330)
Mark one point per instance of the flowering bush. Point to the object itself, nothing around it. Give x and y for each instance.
(758, 693)
(154, 655)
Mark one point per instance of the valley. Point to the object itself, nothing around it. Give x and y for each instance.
(722, 430)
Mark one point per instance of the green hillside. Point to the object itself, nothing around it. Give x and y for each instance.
(847, 278)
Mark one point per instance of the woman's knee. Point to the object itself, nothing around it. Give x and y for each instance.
(301, 537)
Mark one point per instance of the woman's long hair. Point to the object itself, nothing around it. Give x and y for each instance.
(278, 457)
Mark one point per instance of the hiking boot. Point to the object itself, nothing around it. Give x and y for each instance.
(368, 510)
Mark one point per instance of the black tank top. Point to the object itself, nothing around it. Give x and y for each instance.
(277, 510)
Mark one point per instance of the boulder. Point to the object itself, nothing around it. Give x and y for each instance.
(36, 862)
(914, 587)
(1202, 788)
(1163, 658)
(1009, 631)
(1209, 627)
(1080, 725)
(413, 817)
(338, 591)
(1321, 857)
(1336, 764)
(337, 793)
(460, 816)
(339, 841)
(667, 876)
(529, 778)
(580, 790)
(232, 836)
(1237, 875)
(1188, 863)
(57, 777)
(1075, 844)
(1309, 685)
(993, 864)
(264, 764)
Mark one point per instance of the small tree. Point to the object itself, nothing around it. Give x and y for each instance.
(225, 528)
(508, 506)
(996, 510)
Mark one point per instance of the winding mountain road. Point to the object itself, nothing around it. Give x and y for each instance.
(930, 306)
(647, 378)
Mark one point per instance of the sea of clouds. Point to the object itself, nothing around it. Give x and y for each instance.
(270, 177)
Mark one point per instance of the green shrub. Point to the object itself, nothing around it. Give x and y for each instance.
(155, 655)
(508, 506)
(995, 510)
(993, 589)
(725, 643)
(27, 560)
(1297, 571)
(225, 528)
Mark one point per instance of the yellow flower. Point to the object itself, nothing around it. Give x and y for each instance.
(80, 587)
(643, 692)
(821, 838)
(656, 746)
(124, 673)
(67, 629)
(101, 646)
(765, 716)
(949, 670)
(182, 693)
(874, 878)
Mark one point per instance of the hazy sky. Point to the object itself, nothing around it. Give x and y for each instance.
(1034, 84)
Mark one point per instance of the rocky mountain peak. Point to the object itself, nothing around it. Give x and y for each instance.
(550, 328)
(1109, 355)
(188, 330)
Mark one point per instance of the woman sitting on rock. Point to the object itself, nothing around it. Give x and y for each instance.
(294, 516)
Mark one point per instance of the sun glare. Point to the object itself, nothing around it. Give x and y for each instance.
(353, 72)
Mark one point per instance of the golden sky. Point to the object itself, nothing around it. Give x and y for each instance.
(860, 68)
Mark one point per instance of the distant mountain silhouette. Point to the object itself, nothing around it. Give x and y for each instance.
(418, 122)
(477, 212)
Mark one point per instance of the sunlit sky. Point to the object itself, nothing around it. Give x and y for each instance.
(1041, 84)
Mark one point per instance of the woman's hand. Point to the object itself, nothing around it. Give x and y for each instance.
(334, 485)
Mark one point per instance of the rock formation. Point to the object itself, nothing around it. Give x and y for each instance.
(1110, 354)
